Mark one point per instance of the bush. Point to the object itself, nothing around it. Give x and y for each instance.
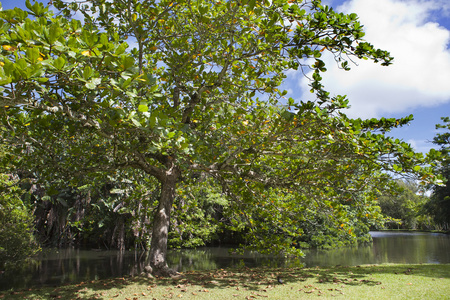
(16, 226)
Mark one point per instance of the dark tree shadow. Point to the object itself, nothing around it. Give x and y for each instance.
(251, 279)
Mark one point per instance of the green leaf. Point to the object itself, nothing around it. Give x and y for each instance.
(127, 62)
(250, 5)
(87, 72)
(90, 85)
(33, 55)
(136, 122)
(151, 80)
(121, 48)
(397, 168)
(93, 83)
(59, 63)
(42, 79)
(53, 33)
(153, 120)
(5, 80)
(143, 108)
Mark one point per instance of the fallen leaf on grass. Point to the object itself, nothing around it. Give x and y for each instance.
(264, 296)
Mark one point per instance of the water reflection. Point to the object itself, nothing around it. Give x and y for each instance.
(207, 258)
(411, 247)
(56, 267)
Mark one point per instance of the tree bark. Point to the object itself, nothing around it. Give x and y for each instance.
(161, 223)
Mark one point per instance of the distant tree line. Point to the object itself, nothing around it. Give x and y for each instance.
(408, 206)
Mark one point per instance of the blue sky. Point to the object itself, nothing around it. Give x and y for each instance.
(417, 33)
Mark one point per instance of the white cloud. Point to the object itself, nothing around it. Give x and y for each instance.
(420, 75)
(423, 146)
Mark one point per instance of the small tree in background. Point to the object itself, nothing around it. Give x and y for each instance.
(439, 204)
(406, 206)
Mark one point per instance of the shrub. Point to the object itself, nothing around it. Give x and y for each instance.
(16, 231)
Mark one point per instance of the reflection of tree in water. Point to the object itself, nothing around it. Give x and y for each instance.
(352, 256)
(191, 259)
(216, 258)
(56, 267)
(412, 248)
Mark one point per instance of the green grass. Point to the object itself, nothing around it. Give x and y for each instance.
(425, 281)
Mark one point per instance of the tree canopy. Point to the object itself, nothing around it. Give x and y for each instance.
(173, 89)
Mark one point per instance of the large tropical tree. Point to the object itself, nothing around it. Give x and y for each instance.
(175, 88)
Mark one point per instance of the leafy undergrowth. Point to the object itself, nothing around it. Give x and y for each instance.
(362, 282)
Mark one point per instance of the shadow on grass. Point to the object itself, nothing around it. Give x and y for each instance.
(83, 290)
(252, 279)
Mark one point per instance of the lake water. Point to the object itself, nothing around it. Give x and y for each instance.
(56, 267)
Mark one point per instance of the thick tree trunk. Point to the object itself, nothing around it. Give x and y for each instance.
(158, 250)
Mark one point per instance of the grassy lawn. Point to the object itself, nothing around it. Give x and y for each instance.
(424, 281)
